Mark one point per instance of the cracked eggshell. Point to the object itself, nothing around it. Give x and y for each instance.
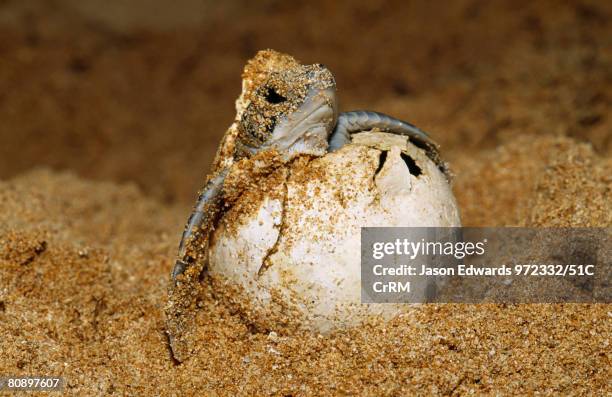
(291, 244)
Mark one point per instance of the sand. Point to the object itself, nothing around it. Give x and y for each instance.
(84, 268)
(104, 141)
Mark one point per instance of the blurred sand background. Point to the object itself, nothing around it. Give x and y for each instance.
(111, 111)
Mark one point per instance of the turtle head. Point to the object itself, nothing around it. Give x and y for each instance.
(292, 109)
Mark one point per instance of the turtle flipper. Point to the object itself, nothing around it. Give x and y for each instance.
(361, 120)
(192, 256)
(206, 208)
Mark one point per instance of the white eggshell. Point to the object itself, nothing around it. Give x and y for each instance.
(309, 237)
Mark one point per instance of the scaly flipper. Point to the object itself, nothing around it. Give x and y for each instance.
(206, 208)
(361, 120)
(191, 262)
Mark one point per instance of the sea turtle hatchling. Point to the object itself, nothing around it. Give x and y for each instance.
(285, 108)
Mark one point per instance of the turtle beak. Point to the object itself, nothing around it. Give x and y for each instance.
(307, 130)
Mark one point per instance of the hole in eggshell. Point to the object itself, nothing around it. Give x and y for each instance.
(382, 157)
(411, 164)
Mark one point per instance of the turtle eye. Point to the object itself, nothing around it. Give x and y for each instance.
(274, 97)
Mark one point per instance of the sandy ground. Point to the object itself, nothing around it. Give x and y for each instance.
(108, 127)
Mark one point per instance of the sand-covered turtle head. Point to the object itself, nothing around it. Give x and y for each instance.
(289, 107)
